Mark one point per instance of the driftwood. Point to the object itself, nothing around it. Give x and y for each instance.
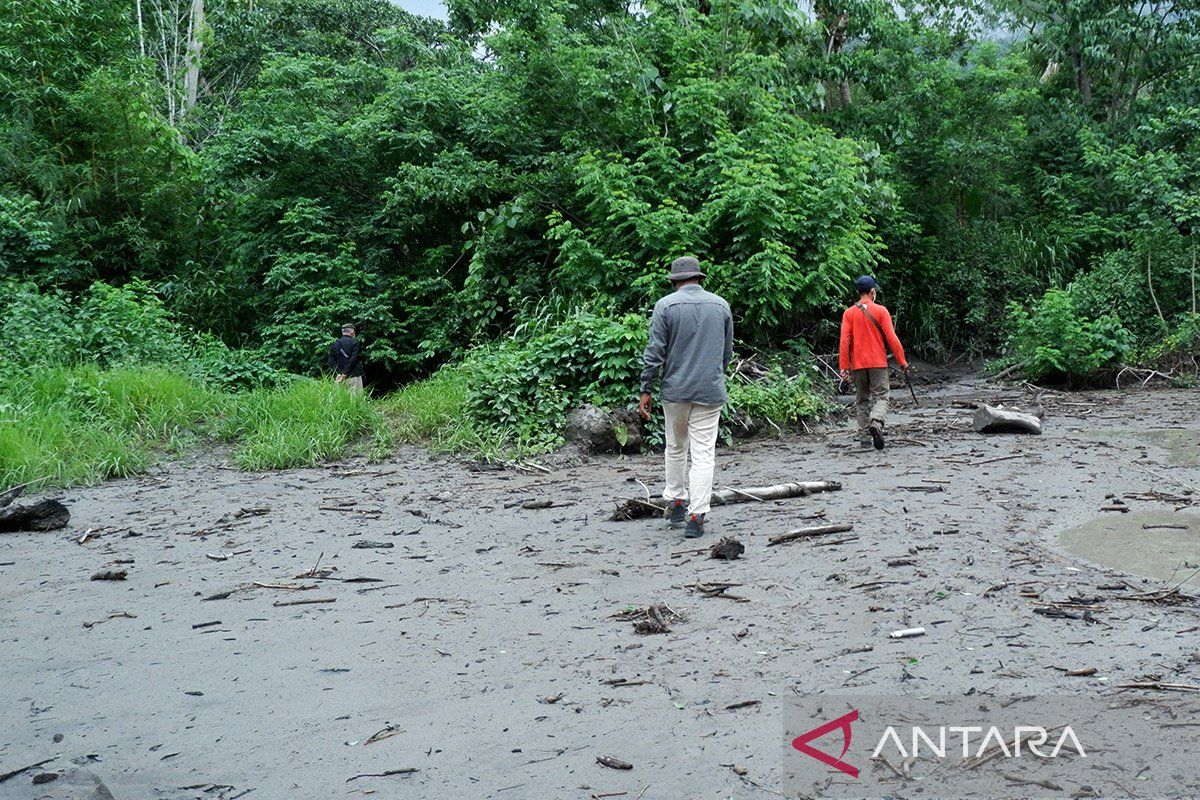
(991, 419)
(44, 515)
(640, 508)
(808, 533)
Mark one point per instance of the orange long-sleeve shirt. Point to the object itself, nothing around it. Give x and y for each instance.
(862, 347)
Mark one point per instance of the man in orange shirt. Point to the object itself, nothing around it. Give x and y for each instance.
(866, 327)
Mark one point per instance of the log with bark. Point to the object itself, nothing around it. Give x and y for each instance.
(44, 515)
(640, 508)
(808, 533)
(993, 419)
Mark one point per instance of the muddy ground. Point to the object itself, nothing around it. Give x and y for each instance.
(484, 652)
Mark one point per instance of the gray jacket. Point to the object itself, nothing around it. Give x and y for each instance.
(691, 343)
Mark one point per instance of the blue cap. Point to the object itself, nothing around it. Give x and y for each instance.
(865, 283)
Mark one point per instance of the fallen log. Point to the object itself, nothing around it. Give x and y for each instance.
(808, 533)
(44, 515)
(991, 419)
(640, 508)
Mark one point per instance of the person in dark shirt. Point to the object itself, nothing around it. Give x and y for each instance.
(345, 359)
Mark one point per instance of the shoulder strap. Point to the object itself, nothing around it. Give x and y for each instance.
(863, 308)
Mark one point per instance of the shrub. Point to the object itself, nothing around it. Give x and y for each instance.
(111, 326)
(526, 385)
(1053, 340)
(774, 399)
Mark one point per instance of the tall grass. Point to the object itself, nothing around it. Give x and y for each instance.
(67, 426)
(299, 425)
(77, 425)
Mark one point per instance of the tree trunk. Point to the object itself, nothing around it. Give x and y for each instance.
(141, 30)
(1083, 79)
(191, 81)
(808, 533)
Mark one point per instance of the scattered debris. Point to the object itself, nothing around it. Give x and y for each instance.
(613, 763)
(653, 619)
(14, 773)
(727, 549)
(743, 704)
(387, 774)
(712, 589)
(366, 544)
(907, 633)
(44, 515)
(118, 615)
(313, 601)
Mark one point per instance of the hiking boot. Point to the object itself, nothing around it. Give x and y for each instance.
(676, 513)
(876, 431)
(695, 527)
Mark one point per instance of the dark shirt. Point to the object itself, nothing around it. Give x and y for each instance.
(344, 357)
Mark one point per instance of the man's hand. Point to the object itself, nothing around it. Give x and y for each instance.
(644, 406)
(846, 375)
(339, 378)
(907, 368)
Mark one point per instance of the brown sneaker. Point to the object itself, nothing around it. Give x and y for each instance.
(876, 431)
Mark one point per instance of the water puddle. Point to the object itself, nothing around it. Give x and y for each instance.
(1182, 444)
(1154, 544)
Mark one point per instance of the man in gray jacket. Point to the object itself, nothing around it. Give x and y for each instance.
(691, 344)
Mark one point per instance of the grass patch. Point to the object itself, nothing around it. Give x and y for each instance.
(435, 413)
(299, 425)
(68, 426)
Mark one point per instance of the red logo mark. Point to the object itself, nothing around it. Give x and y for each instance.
(801, 743)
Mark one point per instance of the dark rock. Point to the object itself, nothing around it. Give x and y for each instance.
(44, 515)
(728, 549)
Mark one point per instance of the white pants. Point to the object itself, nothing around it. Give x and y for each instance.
(691, 427)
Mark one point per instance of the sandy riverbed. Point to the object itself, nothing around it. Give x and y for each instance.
(487, 641)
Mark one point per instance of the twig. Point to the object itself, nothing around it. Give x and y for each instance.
(403, 771)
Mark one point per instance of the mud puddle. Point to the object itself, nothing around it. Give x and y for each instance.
(1163, 545)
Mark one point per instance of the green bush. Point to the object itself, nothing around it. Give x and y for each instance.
(80, 425)
(775, 400)
(109, 326)
(526, 385)
(1053, 340)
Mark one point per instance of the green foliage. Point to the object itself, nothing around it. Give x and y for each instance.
(1053, 341)
(72, 425)
(111, 326)
(525, 386)
(306, 422)
(457, 188)
(775, 400)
